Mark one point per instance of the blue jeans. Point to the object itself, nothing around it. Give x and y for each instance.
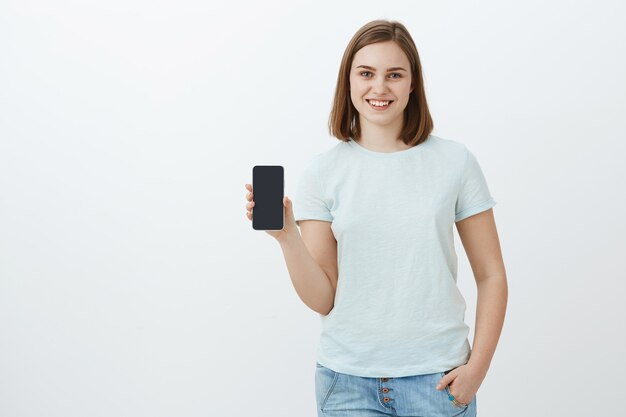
(343, 395)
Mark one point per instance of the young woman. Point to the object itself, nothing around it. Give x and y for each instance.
(376, 257)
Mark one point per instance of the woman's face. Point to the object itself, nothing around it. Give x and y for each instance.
(380, 71)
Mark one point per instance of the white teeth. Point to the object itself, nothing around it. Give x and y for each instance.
(379, 103)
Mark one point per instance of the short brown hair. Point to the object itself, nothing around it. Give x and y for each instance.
(344, 121)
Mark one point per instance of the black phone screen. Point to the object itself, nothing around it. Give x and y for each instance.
(268, 190)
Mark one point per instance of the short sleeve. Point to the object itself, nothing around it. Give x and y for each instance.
(309, 203)
(474, 196)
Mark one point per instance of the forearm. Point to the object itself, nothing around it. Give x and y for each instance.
(490, 312)
(308, 278)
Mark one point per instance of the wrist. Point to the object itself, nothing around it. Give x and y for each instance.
(478, 367)
(288, 238)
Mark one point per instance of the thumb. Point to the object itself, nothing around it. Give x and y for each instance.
(288, 207)
(442, 383)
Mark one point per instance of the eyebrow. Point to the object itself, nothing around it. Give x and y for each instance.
(388, 69)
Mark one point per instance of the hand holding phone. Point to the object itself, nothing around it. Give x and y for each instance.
(276, 213)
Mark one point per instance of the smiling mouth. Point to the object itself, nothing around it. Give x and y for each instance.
(380, 107)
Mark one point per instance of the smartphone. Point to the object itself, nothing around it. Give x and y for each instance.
(268, 190)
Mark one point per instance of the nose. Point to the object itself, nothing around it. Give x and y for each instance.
(380, 86)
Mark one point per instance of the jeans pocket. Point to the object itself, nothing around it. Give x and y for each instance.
(449, 394)
(325, 382)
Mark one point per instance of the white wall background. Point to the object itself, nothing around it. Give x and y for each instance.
(133, 284)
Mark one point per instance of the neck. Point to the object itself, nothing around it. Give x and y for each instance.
(382, 138)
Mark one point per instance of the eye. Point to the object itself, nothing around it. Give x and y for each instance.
(393, 73)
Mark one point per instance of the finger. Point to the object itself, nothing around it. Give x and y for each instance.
(442, 383)
(249, 196)
(250, 205)
(456, 400)
(459, 403)
(289, 207)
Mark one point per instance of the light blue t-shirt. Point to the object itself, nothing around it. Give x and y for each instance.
(397, 311)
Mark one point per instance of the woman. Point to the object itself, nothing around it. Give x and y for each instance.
(376, 256)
